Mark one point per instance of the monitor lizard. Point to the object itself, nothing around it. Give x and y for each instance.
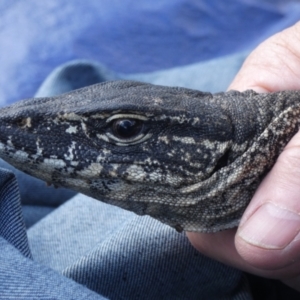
(190, 159)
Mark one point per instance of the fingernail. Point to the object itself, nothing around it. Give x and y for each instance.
(271, 227)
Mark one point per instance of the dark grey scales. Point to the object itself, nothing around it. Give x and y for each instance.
(192, 160)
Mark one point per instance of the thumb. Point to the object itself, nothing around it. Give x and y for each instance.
(268, 236)
(274, 65)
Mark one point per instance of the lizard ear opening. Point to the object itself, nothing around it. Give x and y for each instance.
(222, 162)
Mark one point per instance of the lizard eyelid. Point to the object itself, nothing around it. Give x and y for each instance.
(126, 116)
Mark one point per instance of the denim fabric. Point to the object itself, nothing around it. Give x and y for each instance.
(210, 76)
(20, 276)
(12, 226)
(37, 199)
(74, 75)
(34, 191)
(116, 250)
(127, 36)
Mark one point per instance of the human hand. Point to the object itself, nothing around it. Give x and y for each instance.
(267, 241)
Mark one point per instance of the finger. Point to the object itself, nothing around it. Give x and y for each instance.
(274, 65)
(272, 239)
(225, 251)
(268, 236)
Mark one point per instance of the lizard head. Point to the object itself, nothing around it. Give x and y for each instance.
(124, 142)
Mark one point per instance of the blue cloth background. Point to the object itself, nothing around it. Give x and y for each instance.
(192, 43)
(127, 36)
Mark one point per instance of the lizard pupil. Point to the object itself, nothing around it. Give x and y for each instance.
(127, 128)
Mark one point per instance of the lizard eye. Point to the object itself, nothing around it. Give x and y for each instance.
(127, 128)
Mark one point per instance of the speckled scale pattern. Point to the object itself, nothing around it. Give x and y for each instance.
(194, 165)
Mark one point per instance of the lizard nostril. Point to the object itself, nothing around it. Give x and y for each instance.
(23, 122)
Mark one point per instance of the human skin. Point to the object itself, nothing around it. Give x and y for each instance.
(267, 241)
